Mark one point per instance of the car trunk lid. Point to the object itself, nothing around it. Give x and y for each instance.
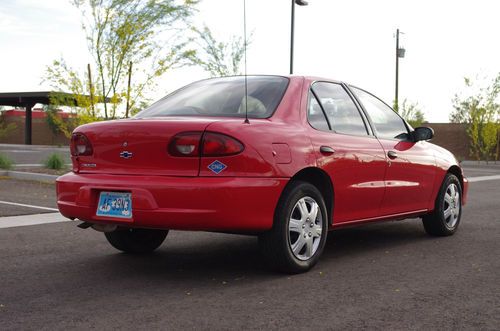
(139, 147)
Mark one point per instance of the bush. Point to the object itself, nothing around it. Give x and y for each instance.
(5, 162)
(55, 161)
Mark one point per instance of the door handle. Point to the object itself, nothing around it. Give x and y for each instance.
(326, 150)
(392, 154)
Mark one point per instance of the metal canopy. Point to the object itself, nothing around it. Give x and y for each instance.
(29, 99)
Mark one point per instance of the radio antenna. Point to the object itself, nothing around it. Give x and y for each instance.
(245, 52)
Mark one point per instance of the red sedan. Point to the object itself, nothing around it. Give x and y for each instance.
(295, 158)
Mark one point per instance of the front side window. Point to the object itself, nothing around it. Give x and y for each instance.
(340, 110)
(387, 123)
(224, 97)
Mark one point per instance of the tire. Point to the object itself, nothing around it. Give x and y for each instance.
(136, 241)
(445, 218)
(296, 241)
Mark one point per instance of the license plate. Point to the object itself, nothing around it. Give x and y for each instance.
(115, 204)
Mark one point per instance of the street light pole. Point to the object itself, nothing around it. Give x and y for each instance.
(300, 3)
(400, 53)
(396, 103)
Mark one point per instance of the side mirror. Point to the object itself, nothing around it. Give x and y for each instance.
(422, 133)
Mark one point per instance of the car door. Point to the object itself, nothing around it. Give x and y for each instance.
(347, 150)
(411, 165)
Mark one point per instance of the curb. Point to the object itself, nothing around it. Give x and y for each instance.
(29, 176)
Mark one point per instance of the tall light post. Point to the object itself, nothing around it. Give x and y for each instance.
(400, 53)
(300, 3)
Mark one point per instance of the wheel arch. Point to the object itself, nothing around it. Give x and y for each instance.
(455, 170)
(320, 179)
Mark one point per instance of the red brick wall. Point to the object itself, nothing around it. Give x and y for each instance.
(41, 132)
(453, 137)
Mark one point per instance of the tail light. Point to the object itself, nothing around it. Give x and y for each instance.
(204, 144)
(80, 145)
(185, 144)
(217, 144)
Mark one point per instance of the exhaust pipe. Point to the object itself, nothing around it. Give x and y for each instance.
(84, 225)
(104, 227)
(98, 227)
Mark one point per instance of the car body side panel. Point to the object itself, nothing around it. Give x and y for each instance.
(445, 160)
(409, 178)
(357, 170)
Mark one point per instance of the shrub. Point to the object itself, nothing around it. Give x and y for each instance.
(55, 161)
(5, 162)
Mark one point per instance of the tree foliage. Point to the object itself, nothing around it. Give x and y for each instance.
(479, 108)
(5, 129)
(219, 58)
(121, 35)
(412, 113)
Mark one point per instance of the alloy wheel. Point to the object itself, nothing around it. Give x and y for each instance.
(451, 207)
(305, 228)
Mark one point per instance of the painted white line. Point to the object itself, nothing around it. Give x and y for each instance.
(33, 165)
(25, 220)
(22, 151)
(29, 165)
(483, 178)
(29, 206)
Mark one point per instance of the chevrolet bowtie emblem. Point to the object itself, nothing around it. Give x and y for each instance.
(126, 155)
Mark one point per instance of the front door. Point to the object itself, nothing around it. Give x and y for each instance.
(410, 165)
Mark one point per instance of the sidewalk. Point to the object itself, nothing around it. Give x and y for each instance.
(29, 176)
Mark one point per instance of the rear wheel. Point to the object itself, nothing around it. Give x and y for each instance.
(444, 220)
(298, 236)
(136, 241)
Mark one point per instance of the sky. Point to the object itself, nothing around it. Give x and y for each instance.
(351, 41)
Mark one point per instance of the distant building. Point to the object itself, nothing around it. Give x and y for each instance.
(36, 113)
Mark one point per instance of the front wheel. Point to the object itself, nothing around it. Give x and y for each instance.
(444, 220)
(298, 236)
(136, 241)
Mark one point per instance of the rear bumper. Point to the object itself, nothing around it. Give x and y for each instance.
(182, 203)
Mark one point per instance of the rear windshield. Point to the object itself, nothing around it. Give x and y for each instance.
(222, 97)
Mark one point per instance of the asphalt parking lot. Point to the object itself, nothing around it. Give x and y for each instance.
(381, 276)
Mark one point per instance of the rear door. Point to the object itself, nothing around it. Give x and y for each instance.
(411, 166)
(347, 151)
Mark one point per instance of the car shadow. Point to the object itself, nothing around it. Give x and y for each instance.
(362, 239)
(202, 257)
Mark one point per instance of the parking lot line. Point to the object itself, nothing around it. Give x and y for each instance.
(29, 206)
(483, 178)
(25, 220)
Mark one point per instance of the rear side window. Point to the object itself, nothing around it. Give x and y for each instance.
(341, 112)
(315, 114)
(222, 97)
(387, 123)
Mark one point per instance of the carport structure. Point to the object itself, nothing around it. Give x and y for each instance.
(28, 100)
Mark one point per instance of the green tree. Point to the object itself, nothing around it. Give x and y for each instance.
(219, 58)
(122, 35)
(479, 107)
(5, 129)
(412, 113)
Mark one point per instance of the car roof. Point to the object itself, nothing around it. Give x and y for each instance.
(308, 78)
(319, 78)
